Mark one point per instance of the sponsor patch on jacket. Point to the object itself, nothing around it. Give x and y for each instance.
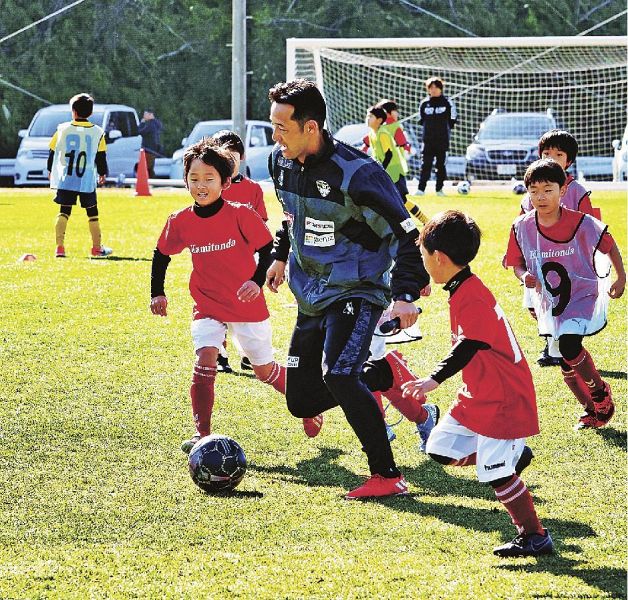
(319, 233)
(319, 226)
(292, 362)
(311, 239)
(408, 225)
(284, 162)
(323, 188)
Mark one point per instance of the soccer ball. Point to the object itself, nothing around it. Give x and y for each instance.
(519, 188)
(464, 187)
(217, 463)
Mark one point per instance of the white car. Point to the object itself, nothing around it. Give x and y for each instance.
(123, 141)
(620, 159)
(258, 146)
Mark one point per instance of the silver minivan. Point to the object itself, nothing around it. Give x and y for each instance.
(120, 123)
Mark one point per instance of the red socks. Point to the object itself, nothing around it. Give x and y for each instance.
(409, 407)
(579, 388)
(463, 462)
(517, 500)
(202, 395)
(277, 378)
(584, 366)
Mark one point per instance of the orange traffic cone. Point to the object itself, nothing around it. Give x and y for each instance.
(141, 183)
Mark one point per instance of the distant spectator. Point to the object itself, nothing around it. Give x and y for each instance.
(437, 115)
(150, 130)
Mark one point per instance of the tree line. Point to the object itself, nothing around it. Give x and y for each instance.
(175, 56)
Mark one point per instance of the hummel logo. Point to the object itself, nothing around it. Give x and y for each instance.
(495, 466)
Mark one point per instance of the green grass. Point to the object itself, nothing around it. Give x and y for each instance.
(96, 500)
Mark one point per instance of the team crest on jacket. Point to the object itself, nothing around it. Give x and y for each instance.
(323, 188)
(280, 178)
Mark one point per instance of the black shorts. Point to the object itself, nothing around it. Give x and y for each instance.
(68, 198)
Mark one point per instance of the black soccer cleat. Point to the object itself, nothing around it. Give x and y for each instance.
(222, 365)
(545, 359)
(245, 364)
(524, 460)
(527, 545)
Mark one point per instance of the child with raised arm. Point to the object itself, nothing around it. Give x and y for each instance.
(496, 407)
(563, 255)
(225, 282)
(244, 191)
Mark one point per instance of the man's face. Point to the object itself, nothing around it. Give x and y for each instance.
(434, 91)
(545, 197)
(148, 115)
(293, 139)
(204, 183)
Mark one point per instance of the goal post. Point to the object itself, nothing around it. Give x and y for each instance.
(577, 83)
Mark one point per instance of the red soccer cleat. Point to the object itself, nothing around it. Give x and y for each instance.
(603, 403)
(377, 486)
(312, 426)
(60, 252)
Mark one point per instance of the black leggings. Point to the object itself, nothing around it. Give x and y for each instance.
(570, 345)
(66, 209)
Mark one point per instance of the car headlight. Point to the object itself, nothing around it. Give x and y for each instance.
(475, 152)
(22, 153)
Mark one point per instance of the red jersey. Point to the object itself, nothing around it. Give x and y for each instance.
(223, 250)
(497, 399)
(248, 192)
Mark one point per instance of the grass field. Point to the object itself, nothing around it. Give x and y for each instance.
(96, 500)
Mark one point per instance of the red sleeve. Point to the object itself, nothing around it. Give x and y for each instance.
(260, 207)
(169, 241)
(400, 138)
(366, 141)
(253, 228)
(606, 243)
(514, 257)
(584, 205)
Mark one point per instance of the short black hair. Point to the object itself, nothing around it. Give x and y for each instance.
(378, 112)
(388, 105)
(437, 81)
(306, 98)
(230, 140)
(453, 233)
(212, 154)
(82, 104)
(545, 169)
(559, 139)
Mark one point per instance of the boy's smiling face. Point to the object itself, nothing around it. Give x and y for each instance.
(204, 183)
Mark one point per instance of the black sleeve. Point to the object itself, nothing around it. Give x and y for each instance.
(101, 163)
(158, 273)
(281, 244)
(51, 157)
(387, 158)
(263, 262)
(459, 357)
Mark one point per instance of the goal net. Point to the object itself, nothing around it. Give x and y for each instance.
(508, 91)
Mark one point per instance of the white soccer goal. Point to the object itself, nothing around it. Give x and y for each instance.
(576, 83)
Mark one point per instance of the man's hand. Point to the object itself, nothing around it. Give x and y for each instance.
(249, 291)
(407, 313)
(159, 306)
(275, 275)
(419, 388)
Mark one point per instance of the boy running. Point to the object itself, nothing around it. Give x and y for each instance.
(496, 407)
(562, 255)
(225, 282)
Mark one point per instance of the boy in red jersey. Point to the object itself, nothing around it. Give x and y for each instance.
(496, 407)
(244, 191)
(563, 256)
(225, 282)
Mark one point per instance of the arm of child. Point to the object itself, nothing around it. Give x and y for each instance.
(158, 300)
(618, 286)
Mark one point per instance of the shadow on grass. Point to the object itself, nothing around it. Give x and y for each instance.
(612, 436)
(234, 494)
(614, 374)
(127, 258)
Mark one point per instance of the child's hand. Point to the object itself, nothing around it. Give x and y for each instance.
(102, 179)
(530, 281)
(159, 306)
(617, 289)
(275, 275)
(417, 389)
(426, 291)
(248, 292)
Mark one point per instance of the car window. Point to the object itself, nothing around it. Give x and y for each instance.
(46, 123)
(260, 137)
(206, 130)
(514, 126)
(119, 120)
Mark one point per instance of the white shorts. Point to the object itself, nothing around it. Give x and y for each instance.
(253, 340)
(495, 458)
